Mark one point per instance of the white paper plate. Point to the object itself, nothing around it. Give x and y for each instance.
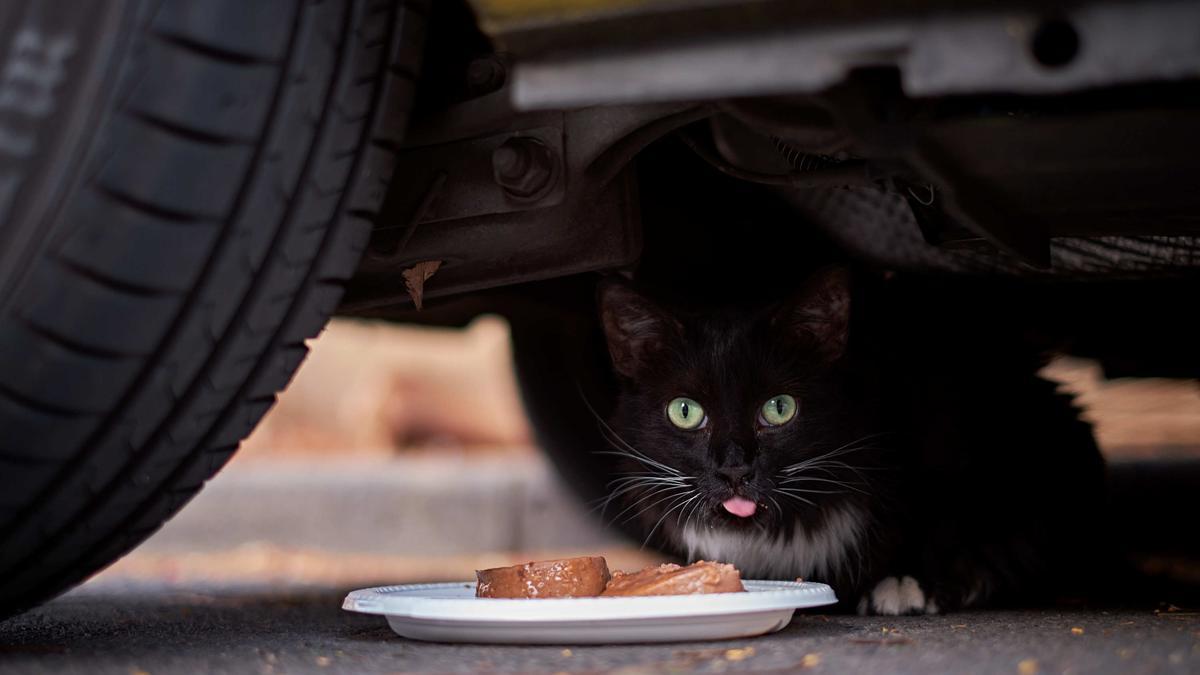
(451, 613)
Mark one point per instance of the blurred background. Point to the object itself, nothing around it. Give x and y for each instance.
(402, 454)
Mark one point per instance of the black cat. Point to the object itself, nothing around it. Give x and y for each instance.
(911, 459)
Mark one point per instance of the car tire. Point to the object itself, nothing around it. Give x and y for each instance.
(185, 187)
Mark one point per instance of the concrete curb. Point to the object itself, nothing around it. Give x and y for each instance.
(426, 506)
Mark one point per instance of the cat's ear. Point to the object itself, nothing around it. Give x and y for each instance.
(636, 328)
(820, 312)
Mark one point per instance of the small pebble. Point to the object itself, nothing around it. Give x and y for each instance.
(738, 654)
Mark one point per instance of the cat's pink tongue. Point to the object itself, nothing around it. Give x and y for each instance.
(742, 508)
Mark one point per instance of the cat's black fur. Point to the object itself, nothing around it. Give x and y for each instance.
(943, 471)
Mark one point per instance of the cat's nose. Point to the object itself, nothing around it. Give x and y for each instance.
(736, 474)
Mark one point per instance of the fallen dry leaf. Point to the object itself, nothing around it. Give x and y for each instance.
(1027, 667)
(690, 659)
(811, 660)
(415, 278)
(739, 654)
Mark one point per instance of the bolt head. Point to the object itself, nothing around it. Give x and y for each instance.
(525, 168)
(485, 75)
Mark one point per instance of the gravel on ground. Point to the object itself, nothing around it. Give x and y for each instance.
(134, 630)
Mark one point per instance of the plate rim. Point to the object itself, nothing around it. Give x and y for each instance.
(763, 596)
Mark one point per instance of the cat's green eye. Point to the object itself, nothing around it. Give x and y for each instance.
(778, 410)
(685, 413)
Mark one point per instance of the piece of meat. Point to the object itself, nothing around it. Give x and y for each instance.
(671, 579)
(566, 578)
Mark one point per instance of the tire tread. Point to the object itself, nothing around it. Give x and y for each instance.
(268, 250)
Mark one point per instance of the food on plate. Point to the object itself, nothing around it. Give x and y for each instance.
(565, 578)
(589, 577)
(671, 579)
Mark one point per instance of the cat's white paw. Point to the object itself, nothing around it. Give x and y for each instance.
(895, 596)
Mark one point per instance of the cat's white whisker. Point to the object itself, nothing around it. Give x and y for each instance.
(668, 512)
(614, 439)
(819, 462)
(647, 485)
(824, 464)
(650, 463)
(815, 462)
(815, 479)
(647, 480)
(602, 504)
(671, 493)
(855, 445)
(691, 514)
(651, 489)
(613, 497)
(645, 473)
(778, 507)
(636, 480)
(693, 498)
(817, 492)
(626, 450)
(630, 485)
(788, 493)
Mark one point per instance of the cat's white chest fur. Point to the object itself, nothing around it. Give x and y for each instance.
(809, 553)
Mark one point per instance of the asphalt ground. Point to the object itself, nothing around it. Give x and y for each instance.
(251, 577)
(106, 628)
